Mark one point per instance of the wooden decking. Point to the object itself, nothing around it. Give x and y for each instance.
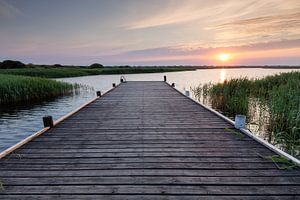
(144, 140)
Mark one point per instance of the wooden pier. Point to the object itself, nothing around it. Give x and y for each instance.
(144, 140)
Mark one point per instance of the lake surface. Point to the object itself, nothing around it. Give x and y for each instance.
(19, 122)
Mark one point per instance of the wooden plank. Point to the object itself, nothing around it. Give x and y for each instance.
(153, 180)
(146, 197)
(155, 189)
(142, 149)
(140, 165)
(166, 142)
(143, 137)
(144, 145)
(151, 172)
(86, 160)
(152, 154)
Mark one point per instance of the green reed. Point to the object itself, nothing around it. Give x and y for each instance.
(19, 89)
(276, 98)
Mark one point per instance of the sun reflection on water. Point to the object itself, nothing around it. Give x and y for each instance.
(222, 75)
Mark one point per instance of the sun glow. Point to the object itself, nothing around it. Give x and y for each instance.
(224, 57)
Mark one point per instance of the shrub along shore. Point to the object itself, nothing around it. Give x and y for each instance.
(19, 89)
(274, 99)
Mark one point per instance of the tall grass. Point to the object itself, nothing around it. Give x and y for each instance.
(61, 72)
(17, 89)
(276, 98)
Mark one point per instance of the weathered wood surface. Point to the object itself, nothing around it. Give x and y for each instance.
(144, 140)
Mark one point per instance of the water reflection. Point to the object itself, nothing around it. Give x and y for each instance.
(16, 123)
(223, 75)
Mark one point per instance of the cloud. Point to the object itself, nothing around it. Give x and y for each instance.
(224, 23)
(294, 17)
(199, 50)
(180, 12)
(266, 28)
(268, 51)
(280, 52)
(173, 14)
(8, 10)
(210, 12)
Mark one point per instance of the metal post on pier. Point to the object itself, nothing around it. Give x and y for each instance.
(173, 85)
(165, 78)
(187, 93)
(114, 85)
(122, 79)
(98, 93)
(240, 121)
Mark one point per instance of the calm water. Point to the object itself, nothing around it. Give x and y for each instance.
(20, 122)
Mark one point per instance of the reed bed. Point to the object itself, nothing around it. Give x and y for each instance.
(273, 100)
(19, 89)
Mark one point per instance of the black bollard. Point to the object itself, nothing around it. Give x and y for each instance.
(98, 93)
(165, 78)
(122, 80)
(114, 85)
(173, 84)
(48, 121)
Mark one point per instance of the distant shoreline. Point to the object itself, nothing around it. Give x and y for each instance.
(64, 71)
(234, 67)
(210, 67)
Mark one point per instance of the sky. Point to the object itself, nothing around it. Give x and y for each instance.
(151, 32)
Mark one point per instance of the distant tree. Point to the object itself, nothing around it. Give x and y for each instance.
(96, 65)
(57, 65)
(11, 64)
(31, 65)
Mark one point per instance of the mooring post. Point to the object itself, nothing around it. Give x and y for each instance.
(173, 84)
(114, 85)
(240, 121)
(187, 93)
(122, 79)
(98, 93)
(48, 121)
(165, 78)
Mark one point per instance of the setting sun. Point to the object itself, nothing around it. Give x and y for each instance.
(224, 57)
